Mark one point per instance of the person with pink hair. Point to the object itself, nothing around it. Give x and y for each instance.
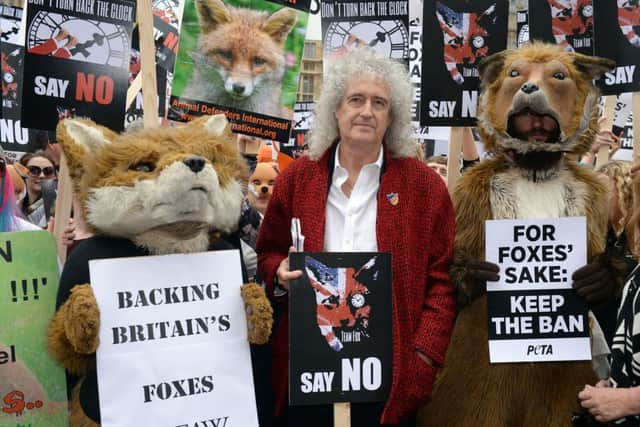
(9, 220)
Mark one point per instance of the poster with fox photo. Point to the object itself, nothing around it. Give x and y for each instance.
(568, 23)
(241, 58)
(14, 139)
(381, 25)
(617, 36)
(457, 34)
(33, 388)
(77, 61)
(340, 328)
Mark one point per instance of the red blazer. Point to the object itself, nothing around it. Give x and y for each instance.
(418, 231)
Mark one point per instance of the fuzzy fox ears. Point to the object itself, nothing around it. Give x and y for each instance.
(592, 66)
(80, 138)
(214, 13)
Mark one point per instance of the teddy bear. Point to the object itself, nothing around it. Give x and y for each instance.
(537, 113)
(148, 192)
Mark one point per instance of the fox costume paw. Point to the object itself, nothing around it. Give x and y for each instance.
(259, 313)
(73, 331)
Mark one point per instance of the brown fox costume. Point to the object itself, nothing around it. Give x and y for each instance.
(528, 177)
(157, 191)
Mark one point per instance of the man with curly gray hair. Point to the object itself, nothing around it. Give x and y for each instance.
(361, 189)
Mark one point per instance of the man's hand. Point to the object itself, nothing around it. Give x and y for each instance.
(595, 282)
(608, 403)
(283, 274)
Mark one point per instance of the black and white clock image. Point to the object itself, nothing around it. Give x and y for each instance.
(389, 38)
(87, 41)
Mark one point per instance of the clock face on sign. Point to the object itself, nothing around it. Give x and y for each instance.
(523, 35)
(98, 42)
(389, 38)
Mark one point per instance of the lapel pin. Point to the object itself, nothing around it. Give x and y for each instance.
(393, 198)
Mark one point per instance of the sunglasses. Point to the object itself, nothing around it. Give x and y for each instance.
(3, 167)
(35, 171)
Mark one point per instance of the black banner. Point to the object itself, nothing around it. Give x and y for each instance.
(568, 23)
(303, 116)
(14, 138)
(552, 313)
(617, 36)
(456, 35)
(77, 61)
(340, 328)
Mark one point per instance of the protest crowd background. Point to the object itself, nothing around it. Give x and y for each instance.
(364, 130)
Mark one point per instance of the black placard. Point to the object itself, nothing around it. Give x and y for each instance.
(82, 74)
(340, 328)
(456, 35)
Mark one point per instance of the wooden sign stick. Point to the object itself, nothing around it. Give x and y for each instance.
(342, 414)
(148, 64)
(453, 158)
(64, 200)
(603, 152)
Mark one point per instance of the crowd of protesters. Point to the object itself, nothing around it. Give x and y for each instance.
(360, 152)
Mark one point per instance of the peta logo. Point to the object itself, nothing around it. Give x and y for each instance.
(539, 350)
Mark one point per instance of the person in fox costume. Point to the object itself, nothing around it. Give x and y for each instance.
(537, 112)
(149, 192)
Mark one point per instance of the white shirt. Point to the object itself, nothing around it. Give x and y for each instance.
(350, 222)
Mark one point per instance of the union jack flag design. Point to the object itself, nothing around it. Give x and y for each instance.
(342, 307)
(464, 37)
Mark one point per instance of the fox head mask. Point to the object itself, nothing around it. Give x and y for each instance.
(156, 186)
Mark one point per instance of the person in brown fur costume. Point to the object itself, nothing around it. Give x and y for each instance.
(156, 191)
(537, 113)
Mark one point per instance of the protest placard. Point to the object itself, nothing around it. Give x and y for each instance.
(77, 61)
(240, 58)
(617, 37)
(534, 314)
(15, 139)
(456, 35)
(33, 388)
(173, 341)
(568, 23)
(340, 328)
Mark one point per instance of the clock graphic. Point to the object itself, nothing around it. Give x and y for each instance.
(389, 38)
(96, 42)
(523, 35)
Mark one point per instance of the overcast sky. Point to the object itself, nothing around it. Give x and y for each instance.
(313, 30)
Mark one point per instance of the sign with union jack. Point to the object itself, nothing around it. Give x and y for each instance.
(340, 328)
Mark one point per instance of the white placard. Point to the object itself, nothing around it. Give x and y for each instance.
(534, 315)
(173, 341)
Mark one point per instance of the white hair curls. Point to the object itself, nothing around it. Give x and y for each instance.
(364, 62)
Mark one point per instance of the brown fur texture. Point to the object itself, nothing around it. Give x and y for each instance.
(113, 173)
(470, 391)
(259, 313)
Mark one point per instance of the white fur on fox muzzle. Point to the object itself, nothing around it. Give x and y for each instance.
(177, 194)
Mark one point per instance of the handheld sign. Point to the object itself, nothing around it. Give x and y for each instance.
(77, 61)
(173, 341)
(534, 314)
(32, 384)
(340, 328)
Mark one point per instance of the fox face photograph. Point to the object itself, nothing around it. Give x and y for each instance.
(240, 54)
